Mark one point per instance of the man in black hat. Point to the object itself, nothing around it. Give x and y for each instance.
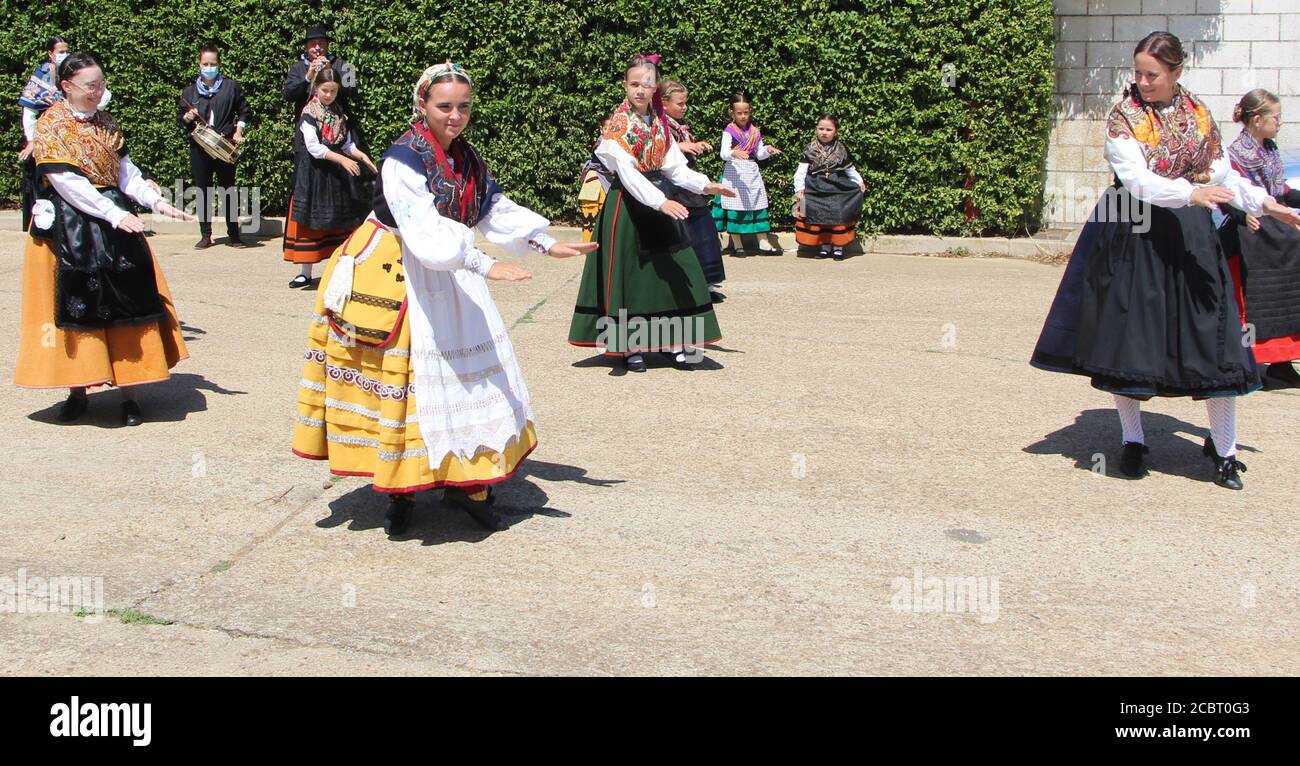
(315, 56)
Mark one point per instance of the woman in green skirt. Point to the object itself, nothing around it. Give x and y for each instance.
(643, 290)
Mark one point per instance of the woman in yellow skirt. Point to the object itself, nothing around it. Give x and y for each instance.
(409, 376)
(95, 309)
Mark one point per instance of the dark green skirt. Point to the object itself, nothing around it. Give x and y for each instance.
(632, 301)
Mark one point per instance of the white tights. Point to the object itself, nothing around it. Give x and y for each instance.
(1223, 422)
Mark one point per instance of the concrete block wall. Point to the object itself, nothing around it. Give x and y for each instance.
(1234, 46)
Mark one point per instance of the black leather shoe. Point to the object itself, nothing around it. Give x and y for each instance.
(131, 414)
(482, 512)
(74, 406)
(299, 281)
(838, 254)
(204, 243)
(1131, 463)
(398, 516)
(236, 242)
(679, 359)
(1226, 471)
(635, 363)
(1282, 375)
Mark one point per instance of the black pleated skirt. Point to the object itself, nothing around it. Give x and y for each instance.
(1147, 306)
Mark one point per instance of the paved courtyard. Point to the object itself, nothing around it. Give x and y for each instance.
(866, 477)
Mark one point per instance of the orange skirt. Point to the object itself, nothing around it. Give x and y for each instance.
(50, 357)
(815, 235)
(303, 244)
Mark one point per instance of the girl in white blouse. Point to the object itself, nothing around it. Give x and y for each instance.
(410, 377)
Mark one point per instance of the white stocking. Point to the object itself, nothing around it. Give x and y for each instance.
(1223, 424)
(1130, 418)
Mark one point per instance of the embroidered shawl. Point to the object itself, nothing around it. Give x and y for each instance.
(648, 143)
(745, 140)
(330, 121)
(459, 180)
(94, 147)
(826, 158)
(1260, 163)
(1180, 141)
(40, 92)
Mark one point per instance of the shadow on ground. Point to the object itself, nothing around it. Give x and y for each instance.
(169, 401)
(1175, 444)
(653, 361)
(435, 523)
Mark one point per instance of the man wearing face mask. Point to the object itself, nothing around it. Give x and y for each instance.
(40, 93)
(217, 101)
(315, 57)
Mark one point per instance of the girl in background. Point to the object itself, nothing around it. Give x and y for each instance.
(596, 179)
(328, 201)
(828, 193)
(744, 216)
(704, 235)
(643, 290)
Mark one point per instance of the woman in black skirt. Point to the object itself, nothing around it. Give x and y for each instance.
(1147, 306)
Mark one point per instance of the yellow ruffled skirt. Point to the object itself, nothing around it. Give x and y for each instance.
(356, 408)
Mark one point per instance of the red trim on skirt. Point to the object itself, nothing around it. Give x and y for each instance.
(1267, 350)
(422, 487)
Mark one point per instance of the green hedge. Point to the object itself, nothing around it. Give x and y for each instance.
(945, 103)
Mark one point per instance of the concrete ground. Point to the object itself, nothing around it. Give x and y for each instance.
(865, 449)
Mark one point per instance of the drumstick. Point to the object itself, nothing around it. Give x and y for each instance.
(195, 108)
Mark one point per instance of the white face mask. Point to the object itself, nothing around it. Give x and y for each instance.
(59, 57)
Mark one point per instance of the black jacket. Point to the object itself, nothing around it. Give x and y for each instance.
(295, 84)
(227, 107)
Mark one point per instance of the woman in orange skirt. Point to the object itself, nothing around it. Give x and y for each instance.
(98, 313)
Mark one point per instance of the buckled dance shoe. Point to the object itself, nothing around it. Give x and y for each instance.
(482, 512)
(1131, 462)
(1227, 470)
(131, 415)
(398, 516)
(74, 406)
(1281, 375)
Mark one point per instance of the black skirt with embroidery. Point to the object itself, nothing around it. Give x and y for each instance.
(104, 277)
